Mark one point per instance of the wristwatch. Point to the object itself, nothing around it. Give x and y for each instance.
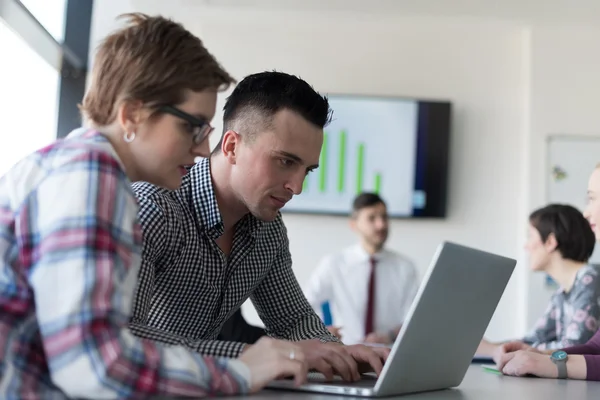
(560, 358)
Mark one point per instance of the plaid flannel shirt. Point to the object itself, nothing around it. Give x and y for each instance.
(70, 245)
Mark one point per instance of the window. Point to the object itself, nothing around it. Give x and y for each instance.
(28, 99)
(51, 14)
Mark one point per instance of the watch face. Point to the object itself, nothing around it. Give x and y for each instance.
(559, 355)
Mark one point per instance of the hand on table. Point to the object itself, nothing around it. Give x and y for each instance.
(511, 347)
(524, 362)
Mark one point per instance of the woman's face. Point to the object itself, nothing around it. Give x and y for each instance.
(592, 210)
(164, 145)
(539, 257)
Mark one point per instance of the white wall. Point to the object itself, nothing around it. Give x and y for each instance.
(510, 84)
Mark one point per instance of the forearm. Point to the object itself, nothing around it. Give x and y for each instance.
(577, 368)
(215, 348)
(125, 366)
(304, 325)
(284, 309)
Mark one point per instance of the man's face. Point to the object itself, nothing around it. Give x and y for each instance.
(371, 223)
(271, 168)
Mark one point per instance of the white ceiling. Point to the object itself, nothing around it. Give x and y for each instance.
(554, 11)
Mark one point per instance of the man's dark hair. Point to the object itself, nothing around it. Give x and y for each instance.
(574, 236)
(366, 199)
(258, 97)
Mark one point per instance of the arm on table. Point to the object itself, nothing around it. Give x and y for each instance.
(282, 306)
(523, 363)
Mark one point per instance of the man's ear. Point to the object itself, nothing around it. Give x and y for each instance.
(551, 243)
(230, 145)
(352, 222)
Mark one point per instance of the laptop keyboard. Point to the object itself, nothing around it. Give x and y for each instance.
(367, 380)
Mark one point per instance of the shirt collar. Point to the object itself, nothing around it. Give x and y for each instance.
(204, 203)
(362, 255)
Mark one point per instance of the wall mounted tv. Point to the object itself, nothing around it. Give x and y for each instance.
(396, 147)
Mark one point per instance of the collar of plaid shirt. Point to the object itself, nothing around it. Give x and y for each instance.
(188, 288)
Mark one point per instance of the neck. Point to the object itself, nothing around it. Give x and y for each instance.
(564, 272)
(231, 209)
(123, 151)
(369, 248)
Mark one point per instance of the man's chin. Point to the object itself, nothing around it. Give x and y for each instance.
(378, 244)
(266, 215)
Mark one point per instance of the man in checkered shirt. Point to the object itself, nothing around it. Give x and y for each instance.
(220, 238)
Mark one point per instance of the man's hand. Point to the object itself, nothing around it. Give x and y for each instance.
(522, 363)
(335, 331)
(345, 361)
(369, 359)
(511, 347)
(380, 338)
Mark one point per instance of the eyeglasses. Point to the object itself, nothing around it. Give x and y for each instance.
(199, 128)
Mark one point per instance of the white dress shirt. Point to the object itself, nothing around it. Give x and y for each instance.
(342, 279)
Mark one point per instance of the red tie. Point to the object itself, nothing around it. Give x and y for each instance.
(370, 299)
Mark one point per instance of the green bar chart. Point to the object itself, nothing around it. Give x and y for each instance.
(358, 175)
(368, 147)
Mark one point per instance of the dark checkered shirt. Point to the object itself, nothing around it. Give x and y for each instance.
(188, 288)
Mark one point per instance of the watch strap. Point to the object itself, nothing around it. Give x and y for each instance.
(562, 368)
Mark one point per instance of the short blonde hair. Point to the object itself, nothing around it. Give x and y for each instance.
(153, 60)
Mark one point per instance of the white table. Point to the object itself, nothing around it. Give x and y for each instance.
(477, 385)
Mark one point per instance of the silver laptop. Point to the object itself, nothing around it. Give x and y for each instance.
(443, 327)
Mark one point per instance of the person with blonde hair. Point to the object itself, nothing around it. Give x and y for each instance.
(71, 242)
(572, 362)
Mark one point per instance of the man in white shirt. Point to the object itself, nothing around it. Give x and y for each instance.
(369, 288)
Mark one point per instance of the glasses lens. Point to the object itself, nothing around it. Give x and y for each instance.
(201, 132)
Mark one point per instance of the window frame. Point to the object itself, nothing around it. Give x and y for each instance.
(68, 57)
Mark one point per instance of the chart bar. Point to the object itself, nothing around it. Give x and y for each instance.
(342, 162)
(323, 165)
(377, 189)
(360, 159)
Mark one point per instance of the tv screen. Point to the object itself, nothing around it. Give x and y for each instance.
(395, 147)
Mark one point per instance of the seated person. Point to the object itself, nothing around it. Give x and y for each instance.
(573, 362)
(369, 288)
(220, 238)
(560, 242)
(71, 243)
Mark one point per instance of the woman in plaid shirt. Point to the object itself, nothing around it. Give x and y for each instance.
(70, 240)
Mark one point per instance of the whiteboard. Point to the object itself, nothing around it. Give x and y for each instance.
(571, 159)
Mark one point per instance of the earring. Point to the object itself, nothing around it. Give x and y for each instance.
(128, 137)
